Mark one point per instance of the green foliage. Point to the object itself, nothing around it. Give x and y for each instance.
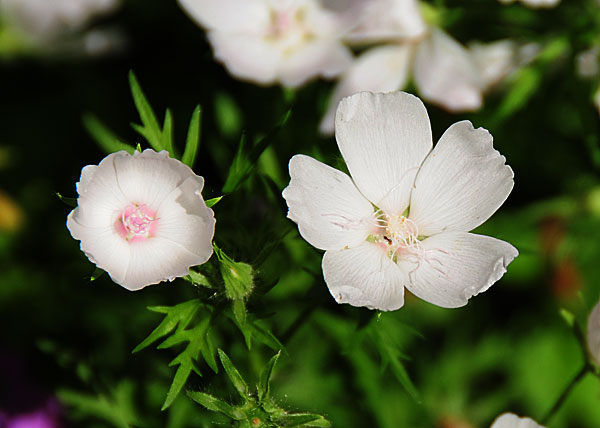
(103, 136)
(193, 138)
(256, 409)
(72, 202)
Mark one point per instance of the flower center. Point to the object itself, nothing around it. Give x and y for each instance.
(398, 234)
(137, 223)
(288, 28)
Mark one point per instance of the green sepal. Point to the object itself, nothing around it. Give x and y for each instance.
(302, 420)
(237, 276)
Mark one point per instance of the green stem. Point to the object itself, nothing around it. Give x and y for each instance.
(561, 399)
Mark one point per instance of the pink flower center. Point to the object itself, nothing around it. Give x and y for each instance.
(137, 223)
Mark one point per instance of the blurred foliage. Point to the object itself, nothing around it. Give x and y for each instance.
(509, 349)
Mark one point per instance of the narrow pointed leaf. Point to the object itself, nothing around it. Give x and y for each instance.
(200, 279)
(216, 405)
(302, 419)
(193, 139)
(72, 202)
(265, 378)
(212, 202)
(97, 274)
(150, 129)
(209, 351)
(103, 136)
(264, 336)
(167, 133)
(181, 376)
(234, 375)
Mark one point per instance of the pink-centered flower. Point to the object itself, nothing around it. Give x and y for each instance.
(403, 218)
(141, 218)
(510, 420)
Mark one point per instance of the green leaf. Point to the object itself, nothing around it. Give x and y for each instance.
(150, 129)
(302, 419)
(263, 335)
(200, 279)
(180, 314)
(567, 316)
(234, 375)
(212, 202)
(96, 274)
(228, 115)
(72, 202)
(264, 382)
(237, 276)
(167, 132)
(103, 136)
(239, 311)
(216, 405)
(181, 376)
(193, 139)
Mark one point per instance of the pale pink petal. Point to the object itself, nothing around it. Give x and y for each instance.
(247, 57)
(384, 139)
(593, 334)
(462, 182)
(364, 276)
(182, 212)
(510, 420)
(389, 20)
(446, 75)
(454, 266)
(329, 210)
(229, 15)
(381, 69)
(148, 177)
(326, 57)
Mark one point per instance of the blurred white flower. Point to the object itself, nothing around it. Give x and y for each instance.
(403, 218)
(46, 19)
(510, 420)
(587, 62)
(445, 72)
(593, 334)
(384, 20)
(269, 41)
(142, 218)
(535, 3)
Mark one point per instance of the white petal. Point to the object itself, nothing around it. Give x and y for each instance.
(446, 75)
(381, 69)
(228, 15)
(593, 334)
(184, 219)
(462, 182)
(384, 139)
(102, 245)
(364, 276)
(389, 20)
(494, 60)
(326, 58)
(148, 177)
(510, 420)
(455, 266)
(329, 210)
(247, 57)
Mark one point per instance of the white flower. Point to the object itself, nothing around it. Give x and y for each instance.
(43, 19)
(268, 41)
(510, 420)
(593, 334)
(403, 217)
(445, 72)
(142, 218)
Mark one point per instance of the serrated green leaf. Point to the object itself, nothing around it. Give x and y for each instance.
(150, 129)
(103, 136)
(181, 376)
(212, 202)
(216, 405)
(302, 419)
(179, 314)
(193, 138)
(72, 202)
(264, 382)
(209, 351)
(234, 376)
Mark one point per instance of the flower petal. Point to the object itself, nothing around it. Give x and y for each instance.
(446, 74)
(329, 210)
(184, 219)
(510, 420)
(384, 139)
(593, 334)
(381, 69)
(462, 182)
(148, 177)
(455, 266)
(228, 15)
(364, 276)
